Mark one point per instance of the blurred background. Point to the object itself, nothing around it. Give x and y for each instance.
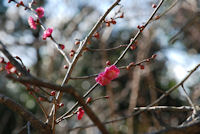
(174, 38)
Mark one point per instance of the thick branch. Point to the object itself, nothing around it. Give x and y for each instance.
(12, 60)
(150, 105)
(28, 116)
(66, 89)
(188, 129)
(78, 55)
(120, 57)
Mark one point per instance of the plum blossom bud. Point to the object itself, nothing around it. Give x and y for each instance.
(80, 113)
(40, 12)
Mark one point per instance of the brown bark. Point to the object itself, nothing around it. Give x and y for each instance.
(28, 116)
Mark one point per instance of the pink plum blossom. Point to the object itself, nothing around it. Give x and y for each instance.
(110, 73)
(102, 80)
(47, 33)
(40, 12)
(32, 23)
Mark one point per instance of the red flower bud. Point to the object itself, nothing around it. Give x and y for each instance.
(154, 5)
(61, 46)
(65, 67)
(2, 60)
(61, 104)
(113, 22)
(21, 3)
(142, 67)
(80, 113)
(153, 56)
(157, 17)
(40, 99)
(89, 99)
(53, 93)
(122, 15)
(108, 63)
(77, 42)
(96, 35)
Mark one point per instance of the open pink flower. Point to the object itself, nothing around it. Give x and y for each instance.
(10, 68)
(31, 22)
(80, 113)
(40, 12)
(102, 80)
(109, 74)
(47, 33)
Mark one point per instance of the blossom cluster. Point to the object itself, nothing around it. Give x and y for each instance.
(9, 67)
(33, 23)
(110, 73)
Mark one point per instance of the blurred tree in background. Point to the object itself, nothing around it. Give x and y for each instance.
(174, 38)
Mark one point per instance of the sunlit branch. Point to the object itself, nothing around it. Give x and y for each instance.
(128, 67)
(120, 57)
(189, 100)
(108, 49)
(44, 28)
(81, 49)
(139, 111)
(67, 89)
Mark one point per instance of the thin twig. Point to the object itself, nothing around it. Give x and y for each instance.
(166, 108)
(189, 100)
(13, 60)
(155, 102)
(92, 101)
(151, 109)
(28, 116)
(108, 49)
(80, 51)
(120, 57)
(28, 127)
(41, 106)
(121, 68)
(67, 89)
(167, 10)
(44, 28)
(76, 104)
(138, 33)
(186, 25)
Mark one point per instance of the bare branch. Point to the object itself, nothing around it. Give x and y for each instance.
(189, 100)
(80, 51)
(131, 65)
(28, 116)
(12, 60)
(155, 102)
(138, 33)
(44, 28)
(187, 129)
(120, 57)
(165, 108)
(185, 26)
(108, 49)
(66, 89)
